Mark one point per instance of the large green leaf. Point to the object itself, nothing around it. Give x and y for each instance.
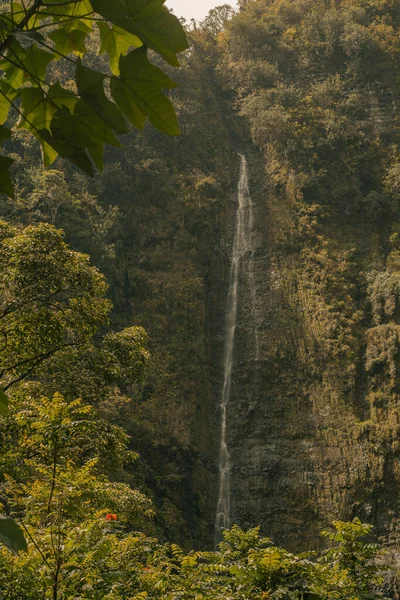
(18, 12)
(73, 15)
(62, 97)
(3, 402)
(68, 42)
(5, 24)
(93, 132)
(38, 111)
(77, 126)
(26, 39)
(91, 88)
(149, 20)
(6, 186)
(36, 62)
(9, 19)
(66, 125)
(122, 95)
(138, 92)
(68, 148)
(11, 535)
(5, 134)
(83, 129)
(14, 75)
(24, 65)
(115, 41)
(7, 95)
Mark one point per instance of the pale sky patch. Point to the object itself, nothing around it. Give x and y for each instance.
(195, 9)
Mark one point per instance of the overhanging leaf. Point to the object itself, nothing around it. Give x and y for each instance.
(68, 42)
(70, 149)
(14, 76)
(38, 111)
(91, 88)
(10, 19)
(23, 65)
(139, 91)
(5, 134)
(6, 186)
(116, 42)
(36, 62)
(73, 133)
(3, 403)
(62, 97)
(122, 95)
(73, 15)
(18, 12)
(27, 38)
(11, 535)
(93, 132)
(7, 95)
(150, 21)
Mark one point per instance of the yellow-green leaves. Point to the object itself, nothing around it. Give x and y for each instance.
(77, 122)
(11, 535)
(69, 42)
(138, 93)
(38, 111)
(116, 42)
(7, 95)
(150, 21)
(25, 65)
(73, 15)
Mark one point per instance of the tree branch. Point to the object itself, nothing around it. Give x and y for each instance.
(30, 13)
(38, 360)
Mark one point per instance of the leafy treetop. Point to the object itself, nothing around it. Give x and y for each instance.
(52, 304)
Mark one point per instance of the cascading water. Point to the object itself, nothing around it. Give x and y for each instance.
(242, 247)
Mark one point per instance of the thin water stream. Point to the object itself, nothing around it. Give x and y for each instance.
(242, 247)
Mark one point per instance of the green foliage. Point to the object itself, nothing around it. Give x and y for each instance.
(299, 72)
(10, 533)
(347, 569)
(51, 298)
(53, 302)
(52, 457)
(101, 560)
(76, 121)
(137, 93)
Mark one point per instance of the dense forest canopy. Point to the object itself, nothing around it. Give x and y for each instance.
(113, 290)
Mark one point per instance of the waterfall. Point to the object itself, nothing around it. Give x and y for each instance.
(242, 248)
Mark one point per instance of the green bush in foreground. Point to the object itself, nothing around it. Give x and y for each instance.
(80, 527)
(100, 560)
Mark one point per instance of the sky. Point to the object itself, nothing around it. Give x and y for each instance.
(196, 9)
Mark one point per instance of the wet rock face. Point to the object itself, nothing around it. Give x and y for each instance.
(269, 423)
(312, 429)
(269, 426)
(268, 429)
